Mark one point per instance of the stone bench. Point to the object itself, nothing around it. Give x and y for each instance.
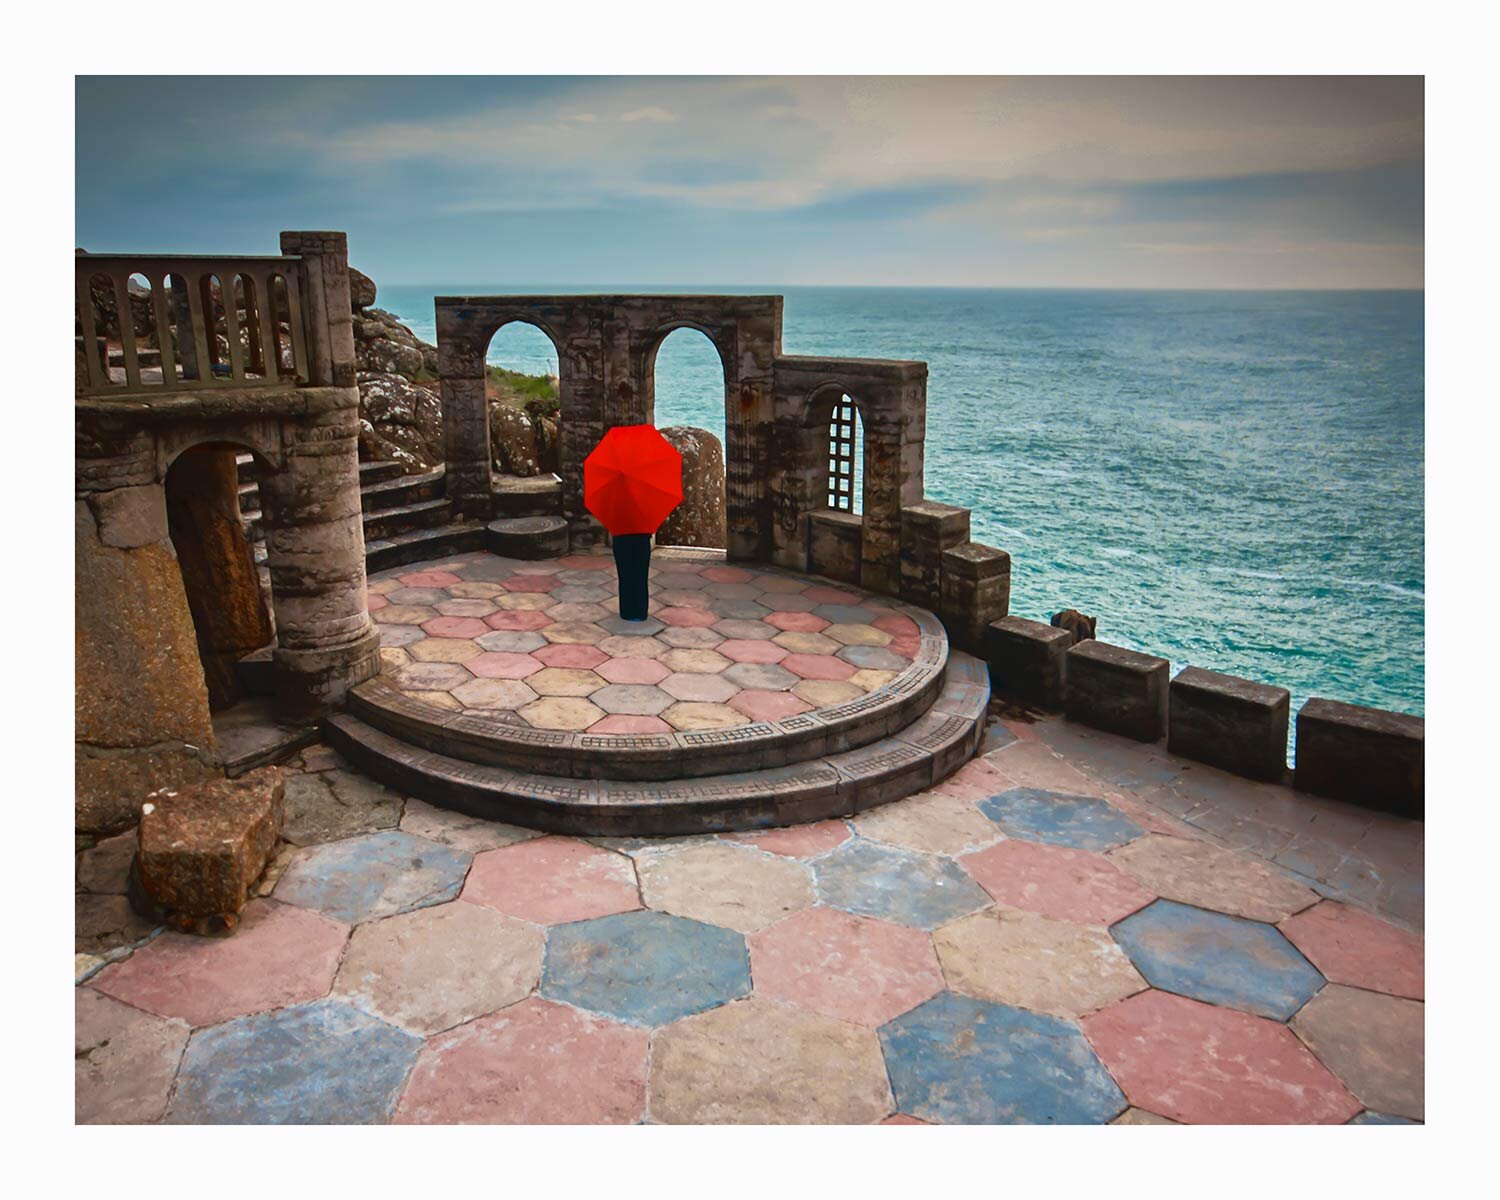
(1117, 690)
(835, 542)
(1367, 756)
(529, 538)
(202, 847)
(1028, 661)
(1228, 722)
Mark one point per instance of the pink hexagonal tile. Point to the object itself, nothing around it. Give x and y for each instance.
(279, 955)
(726, 575)
(818, 666)
(1198, 1063)
(434, 579)
(498, 664)
(897, 626)
(686, 617)
(845, 966)
(797, 841)
(630, 723)
(1056, 881)
(531, 583)
(752, 651)
(797, 622)
(534, 1063)
(905, 647)
(518, 621)
(575, 655)
(375, 603)
(587, 562)
(768, 706)
(632, 670)
(551, 880)
(455, 627)
(1354, 948)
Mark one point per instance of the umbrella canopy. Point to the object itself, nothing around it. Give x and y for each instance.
(632, 479)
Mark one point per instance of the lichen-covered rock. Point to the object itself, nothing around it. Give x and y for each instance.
(361, 290)
(392, 358)
(699, 519)
(400, 422)
(513, 441)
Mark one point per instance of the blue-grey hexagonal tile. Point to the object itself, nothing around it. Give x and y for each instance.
(875, 880)
(957, 1060)
(324, 1063)
(1040, 815)
(1218, 958)
(375, 875)
(846, 614)
(645, 967)
(620, 627)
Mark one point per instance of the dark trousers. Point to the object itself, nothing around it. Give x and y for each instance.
(632, 562)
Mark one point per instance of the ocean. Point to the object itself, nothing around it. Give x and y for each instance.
(1231, 480)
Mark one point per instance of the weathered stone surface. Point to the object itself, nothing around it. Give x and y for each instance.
(203, 847)
(124, 1061)
(109, 785)
(435, 968)
(1014, 957)
(105, 868)
(1366, 756)
(131, 517)
(798, 841)
(738, 888)
(324, 1063)
(1117, 689)
(1139, 1116)
(334, 804)
(472, 834)
(1197, 873)
(1352, 947)
(1059, 819)
(552, 880)
(1056, 881)
(535, 1063)
(1374, 1043)
(930, 821)
(1233, 723)
(1028, 660)
(280, 955)
(760, 1063)
(1197, 1063)
(372, 876)
(105, 923)
(361, 290)
(513, 441)
(699, 519)
(920, 890)
(852, 968)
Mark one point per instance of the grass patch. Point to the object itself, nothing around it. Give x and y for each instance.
(530, 393)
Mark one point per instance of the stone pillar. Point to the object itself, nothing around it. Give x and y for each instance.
(325, 305)
(466, 422)
(975, 592)
(218, 567)
(580, 425)
(316, 551)
(927, 529)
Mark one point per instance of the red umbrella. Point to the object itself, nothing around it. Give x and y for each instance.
(632, 479)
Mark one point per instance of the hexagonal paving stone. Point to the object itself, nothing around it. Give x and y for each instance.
(920, 890)
(637, 699)
(963, 1061)
(618, 646)
(459, 830)
(644, 967)
(737, 887)
(1056, 881)
(324, 1063)
(758, 1062)
(443, 700)
(424, 597)
(518, 620)
(807, 643)
(873, 658)
(432, 578)
(929, 821)
(628, 723)
(435, 968)
(1352, 947)
(279, 955)
(502, 664)
(510, 641)
(1058, 819)
(744, 650)
(621, 627)
(684, 617)
(797, 622)
(695, 662)
(740, 618)
(523, 602)
(563, 713)
(1221, 959)
(578, 612)
(858, 635)
(1195, 872)
(124, 1061)
(703, 689)
(329, 805)
(508, 694)
(1198, 1063)
(564, 681)
(403, 614)
(633, 670)
(818, 666)
(768, 706)
(821, 693)
(552, 879)
(846, 614)
(438, 649)
(1139, 1116)
(1373, 1043)
(530, 583)
(572, 655)
(535, 1063)
(577, 633)
(689, 715)
(464, 608)
(690, 638)
(1016, 957)
(796, 841)
(395, 636)
(854, 968)
(373, 876)
(435, 676)
(454, 627)
(763, 677)
(475, 590)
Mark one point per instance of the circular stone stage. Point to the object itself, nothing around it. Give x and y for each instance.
(750, 696)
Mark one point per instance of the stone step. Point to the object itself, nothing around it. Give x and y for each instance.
(375, 472)
(404, 518)
(908, 761)
(249, 497)
(254, 530)
(422, 545)
(246, 465)
(402, 490)
(527, 496)
(528, 538)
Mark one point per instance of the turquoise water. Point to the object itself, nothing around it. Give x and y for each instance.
(1232, 480)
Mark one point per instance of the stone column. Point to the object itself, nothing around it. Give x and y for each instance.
(466, 419)
(325, 305)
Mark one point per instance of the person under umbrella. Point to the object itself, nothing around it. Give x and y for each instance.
(632, 480)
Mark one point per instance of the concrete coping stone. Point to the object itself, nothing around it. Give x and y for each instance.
(975, 560)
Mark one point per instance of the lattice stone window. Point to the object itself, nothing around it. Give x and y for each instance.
(845, 469)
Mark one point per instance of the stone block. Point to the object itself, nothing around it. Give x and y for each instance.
(1227, 722)
(131, 516)
(1366, 756)
(975, 591)
(1028, 661)
(927, 529)
(530, 538)
(834, 543)
(203, 847)
(1118, 690)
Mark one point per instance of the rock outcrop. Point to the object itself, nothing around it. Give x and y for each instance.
(699, 519)
(522, 441)
(400, 411)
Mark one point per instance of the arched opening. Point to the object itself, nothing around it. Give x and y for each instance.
(846, 457)
(228, 595)
(522, 388)
(686, 386)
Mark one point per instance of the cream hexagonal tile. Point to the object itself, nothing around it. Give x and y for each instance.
(807, 643)
(737, 887)
(439, 649)
(1197, 873)
(524, 601)
(821, 693)
(704, 689)
(857, 635)
(393, 658)
(564, 681)
(695, 662)
(688, 715)
(494, 693)
(567, 713)
(930, 821)
(443, 700)
(574, 633)
(618, 646)
(872, 680)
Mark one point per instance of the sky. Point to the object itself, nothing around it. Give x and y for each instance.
(1139, 182)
